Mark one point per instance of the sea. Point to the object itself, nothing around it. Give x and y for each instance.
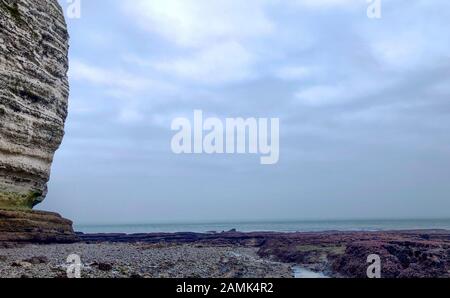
(273, 226)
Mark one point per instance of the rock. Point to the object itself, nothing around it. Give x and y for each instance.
(403, 254)
(21, 264)
(104, 267)
(399, 258)
(37, 260)
(34, 94)
(35, 227)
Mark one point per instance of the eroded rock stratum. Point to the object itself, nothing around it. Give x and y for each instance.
(33, 97)
(33, 107)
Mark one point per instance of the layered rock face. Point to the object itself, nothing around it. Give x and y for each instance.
(33, 97)
(35, 227)
(33, 107)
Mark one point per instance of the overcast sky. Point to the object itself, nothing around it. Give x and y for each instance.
(364, 108)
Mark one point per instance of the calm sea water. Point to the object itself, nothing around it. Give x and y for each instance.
(276, 226)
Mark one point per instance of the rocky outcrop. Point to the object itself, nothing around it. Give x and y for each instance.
(402, 258)
(403, 254)
(33, 97)
(35, 227)
(33, 107)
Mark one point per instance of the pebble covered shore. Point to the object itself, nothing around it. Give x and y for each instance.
(123, 260)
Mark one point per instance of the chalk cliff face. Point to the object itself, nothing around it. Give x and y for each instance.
(33, 97)
(33, 107)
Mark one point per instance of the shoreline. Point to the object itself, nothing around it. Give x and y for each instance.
(404, 254)
(287, 226)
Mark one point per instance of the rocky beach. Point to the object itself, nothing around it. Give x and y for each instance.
(403, 254)
(120, 260)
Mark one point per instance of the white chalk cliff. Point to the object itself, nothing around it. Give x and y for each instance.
(33, 107)
(33, 97)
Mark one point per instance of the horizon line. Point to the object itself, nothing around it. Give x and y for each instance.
(257, 221)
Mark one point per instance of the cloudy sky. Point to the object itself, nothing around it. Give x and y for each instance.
(363, 104)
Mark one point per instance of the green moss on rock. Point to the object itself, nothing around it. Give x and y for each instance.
(19, 201)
